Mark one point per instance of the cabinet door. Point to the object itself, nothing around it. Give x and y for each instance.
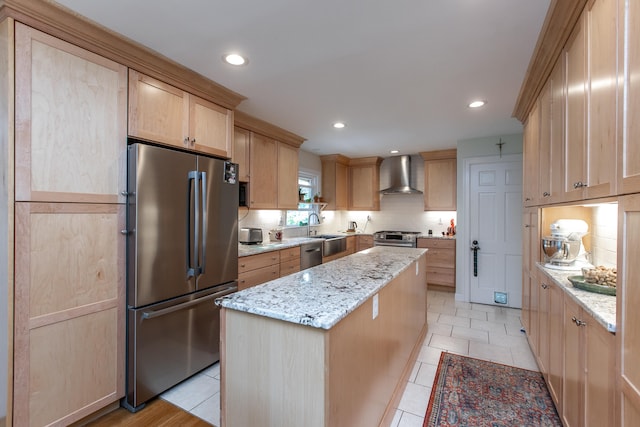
(69, 310)
(157, 111)
(287, 176)
(628, 300)
(364, 185)
(629, 149)
(70, 122)
(263, 193)
(600, 385)
(335, 173)
(544, 145)
(574, 155)
(534, 310)
(544, 301)
(556, 348)
(364, 242)
(573, 376)
(531, 157)
(241, 140)
(602, 105)
(440, 185)
(210, 127)
(556, 149)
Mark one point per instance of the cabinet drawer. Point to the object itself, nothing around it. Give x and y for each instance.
(437, 257)
(290, 253)
(260, 275)
(364, 242)
(253, 262)
(441, 276)
(436, 243)
(289, 267)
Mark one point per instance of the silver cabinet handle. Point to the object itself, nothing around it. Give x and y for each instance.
(204, 221)
(546, 194)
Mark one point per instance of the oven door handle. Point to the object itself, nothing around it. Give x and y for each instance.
(188, 304)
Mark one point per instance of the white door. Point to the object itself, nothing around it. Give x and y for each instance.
(495, 218)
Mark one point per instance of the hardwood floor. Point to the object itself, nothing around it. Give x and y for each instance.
(157, 413)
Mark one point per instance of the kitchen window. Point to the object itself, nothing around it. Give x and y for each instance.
(307, 189)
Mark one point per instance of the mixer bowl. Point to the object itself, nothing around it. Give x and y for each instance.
(559, 250)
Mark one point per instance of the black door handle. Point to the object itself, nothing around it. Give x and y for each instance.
(475, 248)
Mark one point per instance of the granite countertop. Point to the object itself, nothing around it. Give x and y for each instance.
(323, 295)
(601, 307)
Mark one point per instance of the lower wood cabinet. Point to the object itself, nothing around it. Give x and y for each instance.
(577, 357)
(364, 242)
(441, 261)
(289, 261)
(351, 245)
(256, 269)
(69, 311)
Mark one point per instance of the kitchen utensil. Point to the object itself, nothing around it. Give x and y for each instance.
(351, 226)
(559, 250)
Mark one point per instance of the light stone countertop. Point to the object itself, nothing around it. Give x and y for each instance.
(323, 295)
(601, 307)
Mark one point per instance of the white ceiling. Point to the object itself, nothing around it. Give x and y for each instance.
(400, 73)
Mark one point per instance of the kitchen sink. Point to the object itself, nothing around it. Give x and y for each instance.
(333, 243)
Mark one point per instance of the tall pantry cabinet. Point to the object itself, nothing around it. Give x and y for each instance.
(70, 160)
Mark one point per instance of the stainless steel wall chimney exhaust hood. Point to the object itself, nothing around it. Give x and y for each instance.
(400, 176)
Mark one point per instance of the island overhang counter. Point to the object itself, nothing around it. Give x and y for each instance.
(329, 346)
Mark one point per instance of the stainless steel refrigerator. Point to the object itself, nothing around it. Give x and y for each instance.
(182, 254)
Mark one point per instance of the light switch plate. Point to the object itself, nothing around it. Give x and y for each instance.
(375, 306)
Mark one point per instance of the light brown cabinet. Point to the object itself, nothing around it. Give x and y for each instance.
(272, 162)
(628, 314)
(163, 113)
(335, 181)
(241, 150)
(364, 184)
(289, 261)
(256, 269)
(441, 261)
(364, 242)
(628, 147)
(440, 180)
(588, 387)
(69, 250)
(531, 157)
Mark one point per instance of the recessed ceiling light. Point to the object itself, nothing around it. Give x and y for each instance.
(394, 151)
(338, 125)
(235, 59)
(477, 104)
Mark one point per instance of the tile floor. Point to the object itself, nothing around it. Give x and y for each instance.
(477, 330)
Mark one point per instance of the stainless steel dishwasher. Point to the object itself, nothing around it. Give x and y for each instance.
(311, 254)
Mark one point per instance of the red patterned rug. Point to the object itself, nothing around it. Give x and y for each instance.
(473, 392)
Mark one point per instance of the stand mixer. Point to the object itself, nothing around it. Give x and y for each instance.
(563, 250)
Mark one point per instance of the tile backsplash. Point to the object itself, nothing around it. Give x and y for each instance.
(604, 231)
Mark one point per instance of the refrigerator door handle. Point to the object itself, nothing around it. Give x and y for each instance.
(184, 305)
(192, 239)
(204, 222)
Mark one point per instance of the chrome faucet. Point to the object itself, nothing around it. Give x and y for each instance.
(309, 222)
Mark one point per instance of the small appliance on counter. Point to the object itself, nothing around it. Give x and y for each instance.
(351, 226)
(563, 250)
(250, 236)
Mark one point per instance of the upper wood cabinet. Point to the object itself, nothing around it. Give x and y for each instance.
(263, 193)
(335, 181)
(440, 180)
(287, 176)
(531, 157)
(163, 113)
(241, 150)
(628, 146)
(70, 142)
(364, 184)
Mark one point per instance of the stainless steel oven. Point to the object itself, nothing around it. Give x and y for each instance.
(406, 239)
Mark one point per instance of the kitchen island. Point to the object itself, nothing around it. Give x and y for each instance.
(329, 346)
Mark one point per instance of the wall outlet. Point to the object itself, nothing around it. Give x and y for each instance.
(375, 306)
